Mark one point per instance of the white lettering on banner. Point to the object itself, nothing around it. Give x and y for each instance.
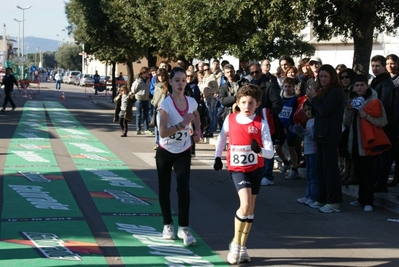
(113, 179)
(126, 197)
(94, 157)
(174, 253)
(51, 246)
(34, 115)
(32, 124)
(31, 130)
(38, 198)
(72, 131)
(34, 177)
(88, 148)
(30, 156)
(78, 137)
(30, 147)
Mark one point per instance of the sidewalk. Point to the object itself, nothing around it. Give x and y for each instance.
(387, 200)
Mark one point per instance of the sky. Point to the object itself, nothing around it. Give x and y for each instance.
(45, 19)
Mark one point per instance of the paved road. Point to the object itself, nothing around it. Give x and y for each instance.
(284, 233)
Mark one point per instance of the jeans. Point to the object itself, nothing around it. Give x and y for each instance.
(312, 188)
(142, 111)
(268, 169)
(329, 181)
(212, 113)
(58, 84)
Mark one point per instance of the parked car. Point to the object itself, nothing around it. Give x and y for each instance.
(64, 78)
(77, 79)
(70, 78)
(86, 79)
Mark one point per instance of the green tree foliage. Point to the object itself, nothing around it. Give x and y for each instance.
(68, 57)
(357, 19)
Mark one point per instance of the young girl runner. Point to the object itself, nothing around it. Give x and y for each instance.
(249, 141)
(174, 117)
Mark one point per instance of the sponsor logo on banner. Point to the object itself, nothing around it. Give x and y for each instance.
(49, 245)
(37, 177)
(174, 253)
(123, 196)
(113, 179)
(30, 156)
(88, 148)
(38, 198)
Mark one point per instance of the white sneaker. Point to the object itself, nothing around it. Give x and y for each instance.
(302, 200)
(328, 208)
(368, 208)
(168, 232)
(308, 202)
(285, 168)
(355, 203)
(234, 253)
(316, 205)
(292, 175)
(266, 181)
(184, 233)
(244, 257)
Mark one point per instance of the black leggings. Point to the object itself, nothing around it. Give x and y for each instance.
(181, 164)
(123, 124)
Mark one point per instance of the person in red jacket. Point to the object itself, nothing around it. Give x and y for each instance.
(249, 143)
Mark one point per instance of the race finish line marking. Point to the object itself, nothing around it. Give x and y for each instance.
(129, 209)
(39, 225)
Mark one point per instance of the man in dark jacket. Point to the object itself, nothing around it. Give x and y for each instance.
(383, 85)
(228, 91)
(8, 82)
(271, 100)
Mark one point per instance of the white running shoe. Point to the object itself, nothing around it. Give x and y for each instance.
(285, 168)
(368, 208)
(302, 200)
(184, 233)
(328, 208)
(292, 175)
(234, 253)
(266, 181)
(168, 232)
(244, 257)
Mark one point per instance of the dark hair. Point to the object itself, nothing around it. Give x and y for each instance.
(393, 57)
(143, 70)
(322, 91)
(361, 78)
(379, 58)
(348, 71)
(250, 90)
(340, 67)
(176, 70)
(288, 59)
(289, 81)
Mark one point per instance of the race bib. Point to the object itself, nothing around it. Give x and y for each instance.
(242, 156)
(285, 113)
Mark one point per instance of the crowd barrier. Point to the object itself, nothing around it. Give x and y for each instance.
(27, 88)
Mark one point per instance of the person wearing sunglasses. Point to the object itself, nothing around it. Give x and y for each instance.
(314, 63)
(346, 78)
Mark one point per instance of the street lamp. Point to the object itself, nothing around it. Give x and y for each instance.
(23, 33)
(19, 36)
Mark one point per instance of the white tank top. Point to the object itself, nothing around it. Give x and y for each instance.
(180, 141)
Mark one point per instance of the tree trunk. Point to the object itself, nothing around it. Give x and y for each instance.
(152, 60)
(130, 73)
(363, 30)
(113, 81)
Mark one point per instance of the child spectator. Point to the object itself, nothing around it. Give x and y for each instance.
(365, 115)
(290, 104)
(249, 141)
(310, 148)
(123, 110)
